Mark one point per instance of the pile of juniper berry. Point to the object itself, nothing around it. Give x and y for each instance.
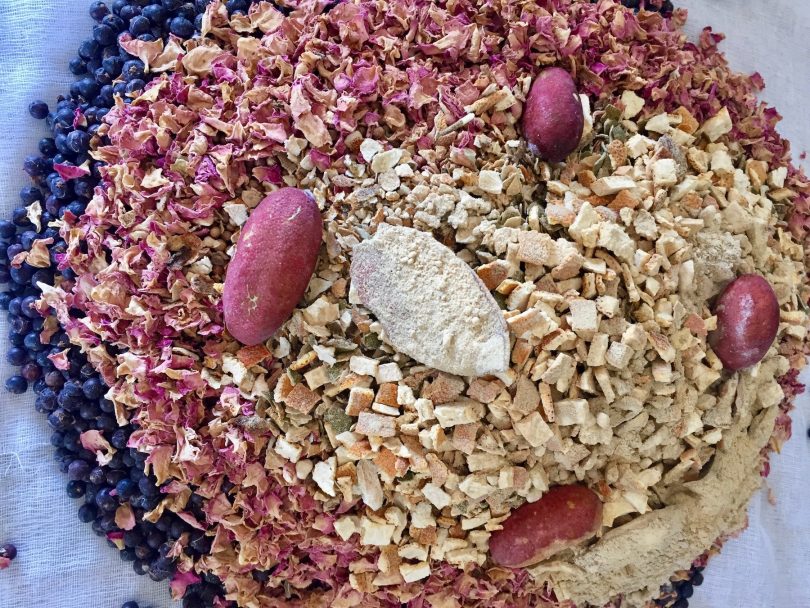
(73, 399)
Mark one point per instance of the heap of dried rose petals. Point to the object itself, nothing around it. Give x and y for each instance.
(267, 100)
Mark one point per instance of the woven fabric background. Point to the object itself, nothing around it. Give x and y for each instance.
(61, 564)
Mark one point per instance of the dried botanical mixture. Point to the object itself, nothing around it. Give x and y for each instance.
(329, 457)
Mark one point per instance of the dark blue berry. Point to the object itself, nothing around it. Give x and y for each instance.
(8, 551)
(158, 572)
(38, 109)
(65, 117)
(37, 166)
(77, 208)
(105, 501)
(20, 217)
(200, 542)
(140, 567)
(16, 356)
(104, 34)
(89, 50)
(147, 488)
(31, 372)
(108, 524)
(155, 13)
(106, 423)
(171, 5)
(182, 27)
(116, 24)
(83, 187)
(133, 69)
(47, 400)
(87, 513)
(22, 275)
(135, 86)
(27, 305)
(129, 12)
(88, 88)
(237, 5)
(99, 10)
(54, 379)
(98, 476)
(47, 146)
(93, 388)
(119, 439)
(79, 470)
(43, 275)
(127, 555)
(7, 229)
(20, 325)
(126, 488)
(139, 25)
(685, 589)
(60, 419)
(14, 250)
(59, 187)
(16, 385)
(133, 538)
(30, 194)
(143, 552)
(130, 605)
(187, 11)
(89, 411)
(78, 66)
(75, 489)
(32, 342)
(102, 78)
(113, 65)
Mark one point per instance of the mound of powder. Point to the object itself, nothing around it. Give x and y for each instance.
(433, 307)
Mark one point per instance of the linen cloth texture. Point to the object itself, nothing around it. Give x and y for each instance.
(61, 563)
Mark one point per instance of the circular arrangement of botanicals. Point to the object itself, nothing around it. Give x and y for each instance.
(167, 528)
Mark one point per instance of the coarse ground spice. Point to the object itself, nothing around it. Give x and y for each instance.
(160, 236)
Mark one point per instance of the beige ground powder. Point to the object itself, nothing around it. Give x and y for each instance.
(432, 306)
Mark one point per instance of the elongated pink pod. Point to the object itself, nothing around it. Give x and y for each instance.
(274, 261)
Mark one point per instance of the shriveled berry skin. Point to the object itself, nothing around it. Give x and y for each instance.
(747, 321)
(565, 516)
(553, 120)
(274, 261)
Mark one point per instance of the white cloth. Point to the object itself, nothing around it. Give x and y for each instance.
(63, 565)
(767, 565)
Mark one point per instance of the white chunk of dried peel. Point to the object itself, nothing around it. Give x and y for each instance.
(490, 181)
(608, 186)
(432, 306)
(414, 572)
(368, 480)
(385, 161)
(718, 125)
(237, 212)
(436, 496)
(460, 412)
(369, 149)
(324, 475)
(373, 533)
(633, 104)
